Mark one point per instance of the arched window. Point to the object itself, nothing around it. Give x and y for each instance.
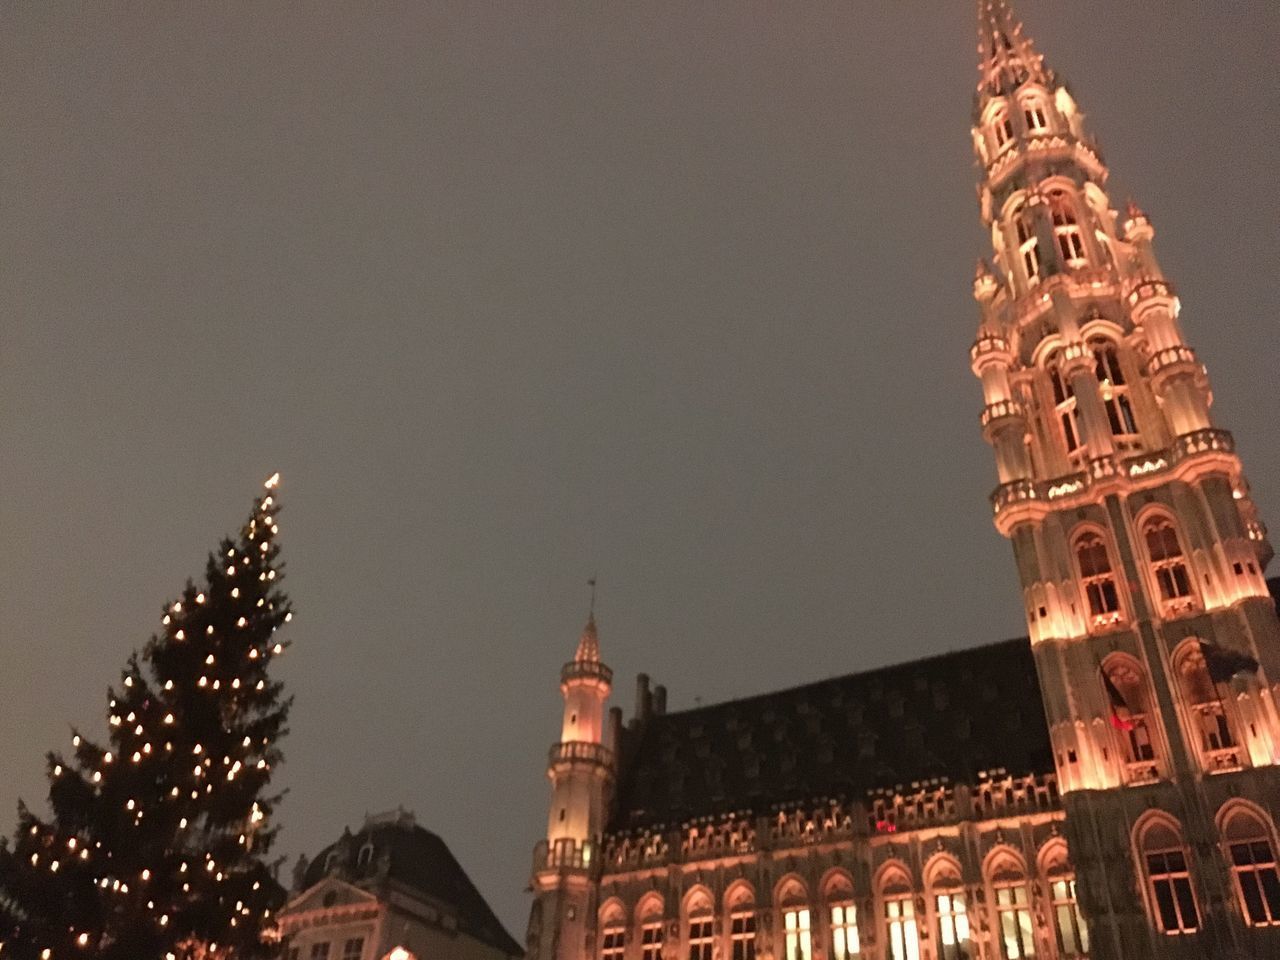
(1207, 708)
(1114, 388)
(1033, 110)
(1126, 690)
(740, 905)
(700, 926)
(1068, 926)
(1013, 909)
(1168, 565)
(1066, 229)
(1168, 875)
(797, 922)
(901, 933)
(365, 856)
(1001, 129)
(613, 931)
(1098, 579)
(1253, 862)
(838, 895)
(1028, 245)
(952, 911)
(1064, 400)
(649, 919)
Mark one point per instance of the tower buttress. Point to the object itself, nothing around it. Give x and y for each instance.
(1140, 554)
(581, 768)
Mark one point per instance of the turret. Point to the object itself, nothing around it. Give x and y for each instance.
(581, 769)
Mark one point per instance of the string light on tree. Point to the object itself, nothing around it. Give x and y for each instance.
(202, 680)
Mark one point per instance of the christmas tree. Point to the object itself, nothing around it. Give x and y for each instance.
(155, 848)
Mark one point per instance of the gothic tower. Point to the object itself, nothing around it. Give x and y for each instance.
(1139, 551)
(581, 769)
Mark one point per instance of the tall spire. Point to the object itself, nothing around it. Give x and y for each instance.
(588, 643)
(1006, 59)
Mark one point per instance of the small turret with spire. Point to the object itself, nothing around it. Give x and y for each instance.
(581, 769)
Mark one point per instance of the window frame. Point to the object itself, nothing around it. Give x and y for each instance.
(1100, 585)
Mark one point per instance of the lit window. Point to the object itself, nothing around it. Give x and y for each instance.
(953, 926)
(1164, 857)
(1253, 862)
(320, 951)
(1016, 939)
(1114, 388)
(1037, 121)
(613, 942)
(742, 934)
(1073, 935)
(1126, 691)
(795, 924)
(1098, 579)
(701, 938)
(845, 944)
(904, 939)
(1028, 246)
(353, 949)
(1167, 562)
(651, 940)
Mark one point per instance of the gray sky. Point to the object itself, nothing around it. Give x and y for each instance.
(517, 293)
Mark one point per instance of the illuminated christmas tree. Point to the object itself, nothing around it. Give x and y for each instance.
(156, 844)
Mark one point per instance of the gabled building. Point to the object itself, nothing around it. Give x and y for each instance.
(1108, 786)
(391, 891)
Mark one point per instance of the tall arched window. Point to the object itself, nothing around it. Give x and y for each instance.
(613, 931)
(1208, 710)
(1012, 899)
(1098, 579)
(1028, 245)
(951, 909)
(741, 907)
(1126, 689)
(1064, 401)
(901, 933)
(1168, 565)
(1068, 925)
(1066, 229)
(1166, 866)
(649, 915)
(1114, 388)
(1252, 854)
(700, 926)
(845, 942)
(797, 921)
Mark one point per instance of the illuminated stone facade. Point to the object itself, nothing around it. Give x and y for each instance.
(1107, 788)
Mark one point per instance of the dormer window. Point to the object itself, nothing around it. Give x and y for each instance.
(365, 857)
(1037, 118)
(1002, 129)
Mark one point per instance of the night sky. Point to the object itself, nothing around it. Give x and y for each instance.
(675, 294)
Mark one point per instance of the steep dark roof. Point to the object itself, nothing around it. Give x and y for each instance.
(948, 716)
(418, 859)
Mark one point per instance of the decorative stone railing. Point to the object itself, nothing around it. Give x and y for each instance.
(578, 669)
(1163, 360)
(563, 855)
(1001, 409)
(1209, 440)
(577, 751)
(1148, 288)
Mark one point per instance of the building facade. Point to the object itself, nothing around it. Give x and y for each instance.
(1106, 787)
(391, 891)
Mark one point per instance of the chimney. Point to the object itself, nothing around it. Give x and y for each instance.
(614, 742)
(644, 699)
(659, 700)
